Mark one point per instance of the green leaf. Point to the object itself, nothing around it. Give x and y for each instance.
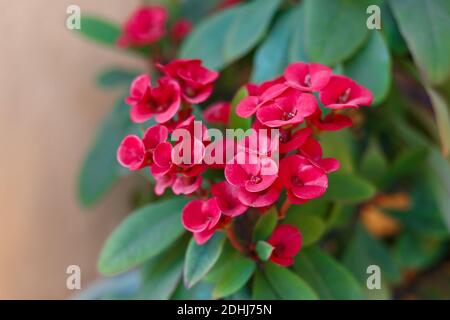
(441, 111)
(348, 188)
(234, 277)
(264, 250)
(297, 50)
(362, 251)
(207, 40)
(326, 276)
(311, 226)
(162, 274)
(261, 289)
(371, 66)
(406, 163)
(265, 225)
(425, 25)
(394, 39)
(237, 122)
(271, 57)
(115, 77)
(339, 145)
(374, 163)
(201, 258)
(99, 30)
(100, 168)
(248, 27)
(287, 285)
(334, 30)
(144, 234)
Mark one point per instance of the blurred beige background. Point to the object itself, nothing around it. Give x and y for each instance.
(49, 109)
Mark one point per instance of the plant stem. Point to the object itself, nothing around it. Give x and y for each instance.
(234, 240)
(284, 208)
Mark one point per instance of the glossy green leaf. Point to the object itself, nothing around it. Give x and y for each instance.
(371, 66)
(339, 145)
(234, 277)
(207, 40)
(425, 25)
(326, 276)
(142, 235)
(265, 225)
(100, 168)
(442, 115)
(237, 122)
(297, 50)
(287, 285)
(374, 163)
(201, 258)
(271, 57)
(248, 27)
(390, 29)
(261, 288)
(348, 188)
(334, 30)
(264, 250)
(311, 226)
(116, 77)
(162, 274)
(99, 30)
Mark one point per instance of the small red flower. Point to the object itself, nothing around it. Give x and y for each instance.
(303, 179)
(286, 241)
(195, 80)
(313, 151)
(292, 107)
(163, 182)
(227, 199)
(259, 199)
(331, 122)
(201, 217)
(180, 29)
(307, 76)
(186, 184)
(145, 26)
(218, 113)
(135, 153)
(162, 101)
(342, 92)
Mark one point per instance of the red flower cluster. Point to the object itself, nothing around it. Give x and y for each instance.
(147, 25)
(285, 108)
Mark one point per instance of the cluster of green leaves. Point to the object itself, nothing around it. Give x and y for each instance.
(394, 150)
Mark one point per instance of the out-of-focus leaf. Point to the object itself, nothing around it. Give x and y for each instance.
(234, 277)
(406, 163)
(297, 50)
(207, 40)
(196, 10)
(334, 30)
(264, 250)
(162, 274)
(100, 168)
(144, 234)
(287, 285)
(371, 66)
(441, 111)
(237, 122)
(116, 77)
(271, 57)
(395, 40)
(248, 27)
(201, 291)
(99, 30)
(201, 258)
(262, 290)
(348, 188)
(265, 225)
(374, 163)
(311, 226)
(339, 145)
(425, 25)
(326, 276)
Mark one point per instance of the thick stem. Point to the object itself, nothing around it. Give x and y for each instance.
(284, 208)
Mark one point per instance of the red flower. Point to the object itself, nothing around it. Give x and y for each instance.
(218, 113)
(303, 179)
(186, 184)
(163, 182)
(135, 153)
(145, 26)
(195, 80)
(259, 199)
(313, 151)
(331, 122)
(251, 172)
(180, 29)
(307, 76)
(201, 217)
(286, 241)
(227, 199)
(162, 101)
(342, 92)
(289, 108)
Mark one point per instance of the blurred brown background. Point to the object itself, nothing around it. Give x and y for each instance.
(49, 109)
